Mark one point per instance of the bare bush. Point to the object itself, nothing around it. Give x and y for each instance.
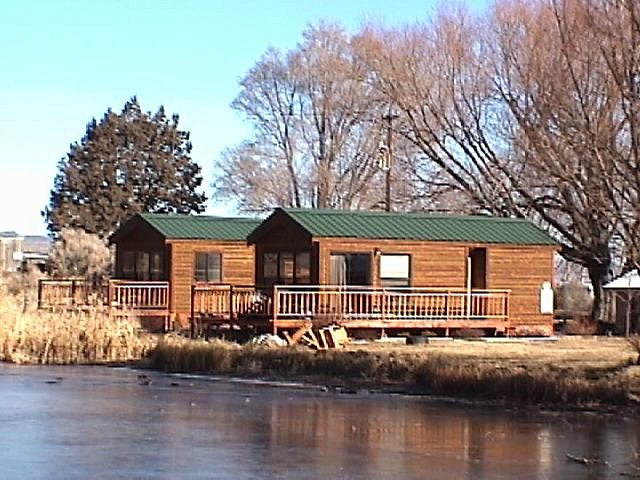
(573, 297)
(81, 254)
(23, 286)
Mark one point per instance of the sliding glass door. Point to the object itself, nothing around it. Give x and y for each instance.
(350, 269)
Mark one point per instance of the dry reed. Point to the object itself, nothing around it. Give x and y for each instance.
(89, 336)
(427, 373)
(634, 342)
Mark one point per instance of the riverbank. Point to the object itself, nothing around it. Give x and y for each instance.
(91, 336)
(572, 372)
(569, 373)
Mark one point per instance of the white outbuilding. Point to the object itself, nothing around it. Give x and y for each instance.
(622, 302)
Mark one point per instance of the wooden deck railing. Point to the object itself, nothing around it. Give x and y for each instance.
(228, 301)
(360, 307)
(122, 294)
(368, 303)
(138, 295)
(69, 293)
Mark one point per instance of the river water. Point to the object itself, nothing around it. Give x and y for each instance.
(97, 422)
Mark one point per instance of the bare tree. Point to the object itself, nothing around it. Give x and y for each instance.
(518, 111)
(615, 26)
(531, 110)
(317, 129)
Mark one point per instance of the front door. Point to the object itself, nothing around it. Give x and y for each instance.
(478, 259)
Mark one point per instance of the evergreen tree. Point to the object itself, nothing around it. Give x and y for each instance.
(125, 164)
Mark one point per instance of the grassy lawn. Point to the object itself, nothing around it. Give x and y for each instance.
(565, 352)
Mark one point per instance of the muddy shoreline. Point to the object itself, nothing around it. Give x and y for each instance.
(436, 374)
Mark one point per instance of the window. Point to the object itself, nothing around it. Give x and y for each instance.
(141, 265)
(303, 267)
(286, 268)
(129, 265)
(350, 269)
(395, 270)
(155, 267)
(270, 268)
(208, 267)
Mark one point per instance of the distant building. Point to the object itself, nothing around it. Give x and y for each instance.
(17, 252)
(622, 303)
(10, 251)
(35, 251)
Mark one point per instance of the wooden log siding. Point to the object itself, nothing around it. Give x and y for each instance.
(237, 267)
(420, 304)
(433, 264)
(523, 270)
(519, 268)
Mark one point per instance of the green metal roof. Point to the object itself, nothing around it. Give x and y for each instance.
(200, 227)
(419, 226)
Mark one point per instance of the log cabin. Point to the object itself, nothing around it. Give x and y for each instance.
(377, 271)
(162, 258)
(406, 271)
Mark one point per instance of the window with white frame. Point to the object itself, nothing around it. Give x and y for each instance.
(395, 270)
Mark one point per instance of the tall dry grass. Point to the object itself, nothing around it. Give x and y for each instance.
(90, 336)
(427, 373)
(634, 342)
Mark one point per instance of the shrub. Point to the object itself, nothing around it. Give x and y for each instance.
(580, 327)
(80, 254)
(573, 297)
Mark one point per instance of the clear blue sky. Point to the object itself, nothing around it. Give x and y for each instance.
(65, 62)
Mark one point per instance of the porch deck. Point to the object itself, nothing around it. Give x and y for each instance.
(398, 308)
(289, 307)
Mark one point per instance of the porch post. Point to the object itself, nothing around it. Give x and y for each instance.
(192, 319)
(39, 293)
(276, 307)
(613, 298)
(73, 292)
(468, 306)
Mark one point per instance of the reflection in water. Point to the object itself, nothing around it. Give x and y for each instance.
(100, 422)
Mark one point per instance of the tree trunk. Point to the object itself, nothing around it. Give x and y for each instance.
(599, 275)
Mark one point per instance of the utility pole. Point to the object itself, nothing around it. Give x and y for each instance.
(387, 153)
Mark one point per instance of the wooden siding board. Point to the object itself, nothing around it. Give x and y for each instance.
(237, 267)
(522, 270)
(433, 264)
